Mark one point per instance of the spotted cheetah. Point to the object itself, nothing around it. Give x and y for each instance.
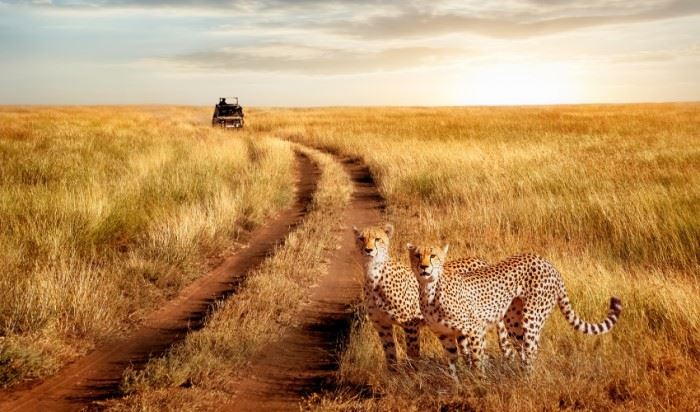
(509, 327)
(391, 292)
(461, 307)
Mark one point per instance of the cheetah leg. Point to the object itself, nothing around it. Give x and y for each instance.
(448, 342)
(473, 343)
(533, 328)
(504, 341)
(532, 342)
(514, 324)
(466, 354)
(386, 335)
(412, 341)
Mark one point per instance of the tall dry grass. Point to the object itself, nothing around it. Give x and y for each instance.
(619, 181)
(197, 374)
(106, 212)
(610, 194)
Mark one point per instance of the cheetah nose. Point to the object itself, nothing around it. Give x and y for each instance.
(423, 267)
(368, 250)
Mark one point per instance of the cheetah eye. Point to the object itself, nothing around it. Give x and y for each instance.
(361, 238)
(377, 240)
(432, 256)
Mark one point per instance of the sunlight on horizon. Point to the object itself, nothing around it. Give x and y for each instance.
(525, 83)
(334, 53)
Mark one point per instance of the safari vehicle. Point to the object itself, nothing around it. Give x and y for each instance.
(228, 115)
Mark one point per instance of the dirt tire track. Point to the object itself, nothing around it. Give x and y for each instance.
(305, 360)
(97, 375)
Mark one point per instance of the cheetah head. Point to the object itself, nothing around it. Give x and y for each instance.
(373, 241)
(426, 262)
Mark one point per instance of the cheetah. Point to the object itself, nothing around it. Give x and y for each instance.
(509, 327)
(391, 292)
(459, 307)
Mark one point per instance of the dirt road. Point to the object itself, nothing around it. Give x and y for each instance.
(97, 375)
(278, 377)
(305, 360)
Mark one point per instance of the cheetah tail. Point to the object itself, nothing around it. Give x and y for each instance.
(586, 327)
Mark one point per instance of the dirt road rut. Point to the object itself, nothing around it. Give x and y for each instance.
(97, 375)
(305, 359)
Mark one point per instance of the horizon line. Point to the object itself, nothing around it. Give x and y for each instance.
(591, 103)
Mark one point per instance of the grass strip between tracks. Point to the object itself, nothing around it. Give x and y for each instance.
(195, 374)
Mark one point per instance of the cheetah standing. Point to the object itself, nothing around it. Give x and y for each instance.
(461, 307)
(391, 293)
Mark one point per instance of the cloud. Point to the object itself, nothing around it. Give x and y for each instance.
(395, 19)
(115, 3)
(659, 56)
(310, 60)
(200, 4)
(545, 17)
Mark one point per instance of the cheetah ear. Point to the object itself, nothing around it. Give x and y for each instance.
(445, 248)
(356, 230)
(410, 246)
(389, 229)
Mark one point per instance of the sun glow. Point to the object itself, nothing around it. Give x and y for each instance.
(512, 84)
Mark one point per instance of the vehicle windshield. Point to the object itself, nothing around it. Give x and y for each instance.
(230, 110)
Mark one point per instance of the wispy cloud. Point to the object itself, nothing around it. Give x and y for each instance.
(310, 60)
(547, 18)
(222, 5)
(382, 20)
(399, 45)
(656, 56)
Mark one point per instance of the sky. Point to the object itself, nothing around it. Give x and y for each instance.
(351, 52)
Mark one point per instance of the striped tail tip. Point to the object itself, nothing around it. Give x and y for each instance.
(615, 305)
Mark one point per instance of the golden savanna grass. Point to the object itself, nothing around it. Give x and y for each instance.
(609, 194)
(106, 212)
(209, 360)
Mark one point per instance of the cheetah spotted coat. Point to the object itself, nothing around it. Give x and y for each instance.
(461, 307)
(391, 292)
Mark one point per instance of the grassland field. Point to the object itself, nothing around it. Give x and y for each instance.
(127, 205)
(107, 212)
(610, 194)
